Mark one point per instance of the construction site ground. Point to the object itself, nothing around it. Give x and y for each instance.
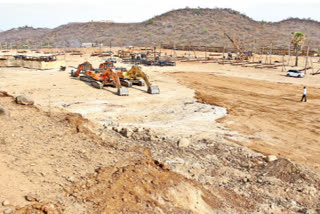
(216, 107)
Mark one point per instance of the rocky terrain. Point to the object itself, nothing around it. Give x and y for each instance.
(180, 27)
(64, 163)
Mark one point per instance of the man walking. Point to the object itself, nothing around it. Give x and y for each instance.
(304, 96)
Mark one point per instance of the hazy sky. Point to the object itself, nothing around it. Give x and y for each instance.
(44, 13)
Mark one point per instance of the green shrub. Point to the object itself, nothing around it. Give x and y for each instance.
(150, 21)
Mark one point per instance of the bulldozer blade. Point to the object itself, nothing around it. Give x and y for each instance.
(123, 92)
(97, 84)
(126, 83)
(153, 90)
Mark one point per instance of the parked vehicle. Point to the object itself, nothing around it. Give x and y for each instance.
(295, 73)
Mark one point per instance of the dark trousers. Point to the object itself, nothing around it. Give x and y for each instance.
(304, 97)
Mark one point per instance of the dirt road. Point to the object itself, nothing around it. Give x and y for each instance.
(270, 112)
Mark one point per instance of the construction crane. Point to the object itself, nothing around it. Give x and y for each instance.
(242, 55)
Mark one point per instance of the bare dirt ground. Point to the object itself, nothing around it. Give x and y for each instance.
(73, 164)
(59, 162)
(270, 112)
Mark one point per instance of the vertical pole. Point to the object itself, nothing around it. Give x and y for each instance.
(289, 54)
(223, 54)
(205, 53)
(271, 53)
(306, 64)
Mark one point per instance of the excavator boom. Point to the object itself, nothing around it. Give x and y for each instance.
(135, 71)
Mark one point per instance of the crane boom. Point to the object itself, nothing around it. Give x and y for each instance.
(242, 54)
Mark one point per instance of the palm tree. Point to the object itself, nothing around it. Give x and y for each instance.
(297, 42)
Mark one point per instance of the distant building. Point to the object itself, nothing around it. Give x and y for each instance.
(90, 45)
(105, 21)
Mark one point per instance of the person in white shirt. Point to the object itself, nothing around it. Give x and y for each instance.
(304, 96)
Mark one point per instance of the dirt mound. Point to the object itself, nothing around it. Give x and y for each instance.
(142, 185)
(287, 171)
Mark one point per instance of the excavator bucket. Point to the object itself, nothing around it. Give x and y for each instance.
(123, 92)
(97, 84)
(154, 90)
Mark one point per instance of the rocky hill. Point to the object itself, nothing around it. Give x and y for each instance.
(181, 27)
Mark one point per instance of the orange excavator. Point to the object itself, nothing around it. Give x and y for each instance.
(99, 77)
(106, 64)
(109, 64)
(242, 55)
(108, 77)
(134, 76)
(81, 69)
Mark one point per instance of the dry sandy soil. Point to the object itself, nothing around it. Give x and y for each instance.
(52, 152)
(270, 112)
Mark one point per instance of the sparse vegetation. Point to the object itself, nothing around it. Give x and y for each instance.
(197, 12)
(43, 44)
(150, 21)
(171, 26)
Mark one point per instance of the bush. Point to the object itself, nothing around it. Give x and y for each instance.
(150, 21)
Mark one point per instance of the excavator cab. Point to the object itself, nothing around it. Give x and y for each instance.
(106, 64)
(81, 69)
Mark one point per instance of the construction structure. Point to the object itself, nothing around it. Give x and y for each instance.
(34, 61)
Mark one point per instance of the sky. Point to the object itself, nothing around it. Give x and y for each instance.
(51, 14)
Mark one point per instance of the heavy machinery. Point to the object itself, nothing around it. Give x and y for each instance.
(108, 77)
(106, 64)
(136, 76)
(82, 68)
(99, 77)
(109, 64)
(243, 55)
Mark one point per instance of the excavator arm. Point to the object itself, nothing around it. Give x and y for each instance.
(134, 71)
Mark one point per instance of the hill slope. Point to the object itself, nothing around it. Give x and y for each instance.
(182, 27)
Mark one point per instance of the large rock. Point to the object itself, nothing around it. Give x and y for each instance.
(6, 203)
(127, 132)
(24, 100)
(270, 158)
(183, 142)
(4, 112)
